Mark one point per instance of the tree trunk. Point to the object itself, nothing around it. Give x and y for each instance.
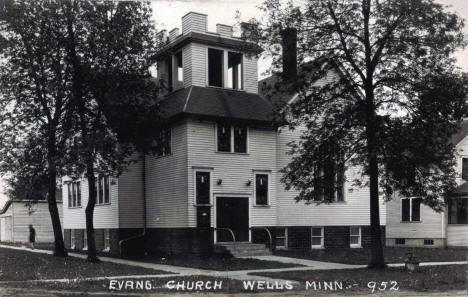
(92, 254)
(377, 259)
(59, 247)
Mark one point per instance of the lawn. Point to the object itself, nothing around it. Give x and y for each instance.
(392, 255)
(217, 262)
(428, 278)
(16, 265)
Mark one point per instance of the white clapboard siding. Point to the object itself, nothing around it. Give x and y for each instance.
(431, 225)
(166, 184)
(250, 74)
(130, 192)
(19, 216)
(457, 235)
(194, 22)
(354, 211)
(198, 64)
(105, 216)
(233, 169)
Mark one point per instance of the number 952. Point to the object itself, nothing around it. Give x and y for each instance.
(383, 286)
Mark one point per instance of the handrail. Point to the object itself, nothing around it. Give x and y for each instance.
(230, 231)
(269, 235)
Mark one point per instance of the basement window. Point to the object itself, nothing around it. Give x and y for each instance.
(72, 239)
(355, 236)
(400, 241)
(317, 237)
(281, 238)
(215, 67)
(106, 240)
(234, 71)
(428, 241)
(85, 240)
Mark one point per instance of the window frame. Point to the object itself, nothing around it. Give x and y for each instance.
(400, 241)
(285, 237)
(268, 174)
(428, 241)
(240, 74)
(457, 202)
(232, 139)
(100, 185)
(85, 240)
(223, 66)
(322, 183)
(322, 238)
(72, 239)
(74, 194)
(410, 217)
(210, 198)
(359, 244)
(162, 153)
(462, 163)
(106, 235)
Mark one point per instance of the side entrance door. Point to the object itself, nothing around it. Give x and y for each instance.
(232, 213)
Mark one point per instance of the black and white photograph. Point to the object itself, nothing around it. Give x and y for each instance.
(248, 148)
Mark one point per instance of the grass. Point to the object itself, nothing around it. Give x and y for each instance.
(391, 254)
(218, 262)
(16, 265)
(427, 278)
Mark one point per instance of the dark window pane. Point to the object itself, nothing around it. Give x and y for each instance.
(78, 191)
(100, 190)
(316, 231)
(280, 232)
(74, 194)
(463, 211)
(106, 189)
(203, 187)
(69, 189)
(416, 211)
(316, 241)
(465, 169)
(224, 138)
(280, 242)
(240, 139)
(405, 210)
(215, 67)
(261, 189)
(452, 211)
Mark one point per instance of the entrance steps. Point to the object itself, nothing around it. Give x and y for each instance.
(242, 249)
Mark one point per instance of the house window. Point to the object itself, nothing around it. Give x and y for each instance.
(329, 176)
(164, 142)
(411, 209)
(234, 72)
(261, 189)
(180, 68)
(458, 211)
(317, 237)
(465, 169)
(400, 241)
(103, 189)
(202, 187)
(428, 241)
(215, 67)
(74, 194)
(72, 239)
(85, 240)
(355, 236)
(231, 138)
(169, 74)
(281, 238)
(106, 240)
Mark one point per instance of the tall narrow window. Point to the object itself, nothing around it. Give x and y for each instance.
(169, 74)
(72, 239)
(69, 191)
(202, 187)
(106, 189)
(74, 194)
(465, 169)
(458, 211)
(329, 175)
(165, 142)
(100, 190)
(106, 240)
(355, 236)
(317, 237)
(180, 68)
(261, 189)
(416, 209)
(85, 240)
(405, 210)
(78, 194)
(240, 139)
(411, 209)
(234, 70)
(215, 67)
(224, 138)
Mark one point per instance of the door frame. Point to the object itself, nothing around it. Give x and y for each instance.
(237, 196)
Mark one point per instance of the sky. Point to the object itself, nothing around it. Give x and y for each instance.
(168, 14)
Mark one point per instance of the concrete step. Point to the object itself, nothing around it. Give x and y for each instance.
(238, 249)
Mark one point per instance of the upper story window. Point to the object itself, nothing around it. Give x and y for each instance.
(329, 177)
(170, 82)
(231, 138)
(457, 211)
(165, 142)
(411, 209)
(261, 189)
(465, 169)
(234, 74)
(180, 67)
(103, 189)
(215, 67)
(74, 194)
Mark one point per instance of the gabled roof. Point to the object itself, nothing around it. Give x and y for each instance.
(217, 103)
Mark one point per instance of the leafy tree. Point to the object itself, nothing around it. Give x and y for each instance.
(391, 105)
(109, 47)
(34, 101)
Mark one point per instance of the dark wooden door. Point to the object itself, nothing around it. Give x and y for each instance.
(232, 213)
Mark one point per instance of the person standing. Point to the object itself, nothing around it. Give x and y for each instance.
(32, 236)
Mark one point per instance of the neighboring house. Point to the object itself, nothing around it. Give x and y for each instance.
(411, 223)
(216, 178)
(17, 215)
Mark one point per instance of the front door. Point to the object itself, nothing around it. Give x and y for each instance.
(232, 213)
